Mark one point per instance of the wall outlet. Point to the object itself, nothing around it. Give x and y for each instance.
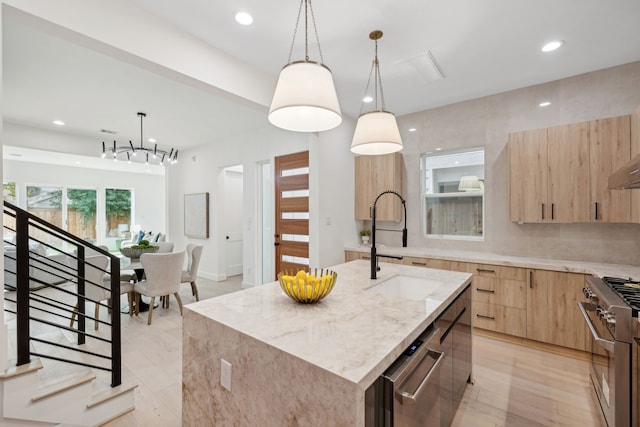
(225, 374)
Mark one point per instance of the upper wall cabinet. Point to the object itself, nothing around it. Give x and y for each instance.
(550, 174)
(373, 175)
(635, 150)
(560, 174)
(610, 149)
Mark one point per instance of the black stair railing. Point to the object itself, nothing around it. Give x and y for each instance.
(59, 257)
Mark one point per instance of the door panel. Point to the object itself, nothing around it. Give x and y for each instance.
(291, 238)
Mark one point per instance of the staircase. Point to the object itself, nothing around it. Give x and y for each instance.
(58, 375)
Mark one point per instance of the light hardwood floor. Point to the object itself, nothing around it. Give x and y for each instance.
(519, 386)
(514, 385)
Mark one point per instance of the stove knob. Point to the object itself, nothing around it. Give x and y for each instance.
(611, 320)
(594, 299)
(586, 292)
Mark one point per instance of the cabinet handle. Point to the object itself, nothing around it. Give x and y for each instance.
(553, 214)
(365, 257)
(482, 316)
(542, 210)
(484, 270)
(486, 290)
(531, 279)
(419, 263)
(596, 210)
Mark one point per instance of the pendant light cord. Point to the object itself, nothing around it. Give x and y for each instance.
(307, 6)
(375, 72)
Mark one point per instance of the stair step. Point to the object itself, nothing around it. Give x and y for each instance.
(16, 371)
(105, 395)
(64, 383)
(118, 415)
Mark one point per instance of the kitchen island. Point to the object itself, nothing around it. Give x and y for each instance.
(296, 364)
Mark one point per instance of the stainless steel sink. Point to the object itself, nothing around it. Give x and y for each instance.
(407, 287)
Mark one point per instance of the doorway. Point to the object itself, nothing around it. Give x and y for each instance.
(233, 217)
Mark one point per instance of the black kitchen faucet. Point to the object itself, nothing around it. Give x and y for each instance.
(374, 254)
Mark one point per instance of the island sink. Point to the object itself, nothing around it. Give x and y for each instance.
(408, 287)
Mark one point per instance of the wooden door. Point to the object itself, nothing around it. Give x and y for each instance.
(291, 237)
(528, 175)
(552, 312)
(610, 149)
(568, 157)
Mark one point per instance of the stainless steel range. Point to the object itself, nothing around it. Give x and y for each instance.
(610, 310)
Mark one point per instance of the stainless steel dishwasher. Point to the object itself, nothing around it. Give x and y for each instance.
(411, 391)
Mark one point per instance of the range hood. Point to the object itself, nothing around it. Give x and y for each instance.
(627, 177)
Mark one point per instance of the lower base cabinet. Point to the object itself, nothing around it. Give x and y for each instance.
(539, 305)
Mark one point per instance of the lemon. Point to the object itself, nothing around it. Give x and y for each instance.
(301, 275)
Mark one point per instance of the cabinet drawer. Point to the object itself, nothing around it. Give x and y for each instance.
(491, 290)
(352, 256)
(499, 271)
(440, 264)
(500, 318)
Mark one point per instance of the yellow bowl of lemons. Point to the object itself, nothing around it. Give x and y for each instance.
(307, 287)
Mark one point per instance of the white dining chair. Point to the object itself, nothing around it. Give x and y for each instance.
(95, 288)
(162, 278)
(194, 253)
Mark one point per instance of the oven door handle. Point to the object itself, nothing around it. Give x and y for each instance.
(606, 344)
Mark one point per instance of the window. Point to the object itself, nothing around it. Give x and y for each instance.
(453, 194)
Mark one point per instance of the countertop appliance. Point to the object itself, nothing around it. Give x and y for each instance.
(610, 309)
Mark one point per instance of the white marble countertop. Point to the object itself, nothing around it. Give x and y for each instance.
(583, 267)
(352, 333)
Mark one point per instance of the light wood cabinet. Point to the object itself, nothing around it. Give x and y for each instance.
(373, 175)
(635, 151)
(499, 299)
(568, 185)
(610, 149)
(552, 312)
(539, 305)
(549, 174)
(560, 174)
(528, 165)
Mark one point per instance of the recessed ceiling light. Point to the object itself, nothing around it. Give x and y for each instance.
(412, 129)
(243, 18)
(439, 149)
(551, 46)
(367, 99)
(151, 140)
(58, 122)
(544, 104)
(77, 163)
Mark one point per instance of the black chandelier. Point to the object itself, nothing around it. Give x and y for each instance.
(131, 152)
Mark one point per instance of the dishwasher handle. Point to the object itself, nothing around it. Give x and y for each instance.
(606, 344)
(411, 399)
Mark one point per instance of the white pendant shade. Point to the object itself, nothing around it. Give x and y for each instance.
(305, 99)
(376, 133)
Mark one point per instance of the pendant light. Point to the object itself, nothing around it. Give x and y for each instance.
(377, 130)
(305, 98)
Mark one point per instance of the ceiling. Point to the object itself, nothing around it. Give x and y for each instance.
(482, 47)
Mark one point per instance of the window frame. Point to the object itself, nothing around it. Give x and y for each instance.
(424, 196)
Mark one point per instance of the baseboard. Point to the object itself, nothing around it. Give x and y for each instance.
(212, 276)
(551, 348)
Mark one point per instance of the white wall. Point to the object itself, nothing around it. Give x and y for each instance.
(487, 121)
(148, 190)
